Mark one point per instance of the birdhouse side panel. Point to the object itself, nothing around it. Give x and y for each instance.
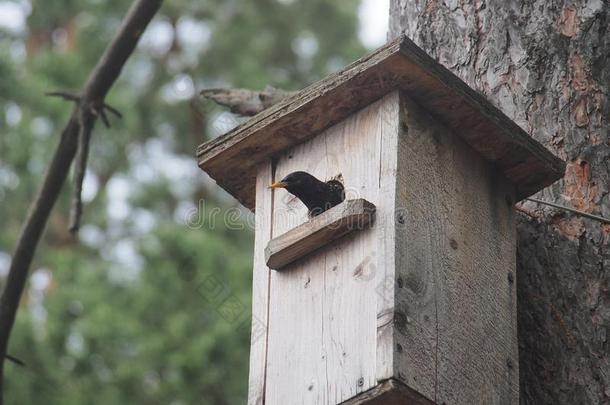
(455, 335)
(323, 309)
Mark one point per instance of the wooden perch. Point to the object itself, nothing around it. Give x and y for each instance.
(94, 92)
(319, 231)
(247, 102)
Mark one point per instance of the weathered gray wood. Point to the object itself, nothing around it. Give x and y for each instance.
(423, 296)
(426, 295)
(545, 65)
(229, 159)
(386, 242)
(390, 392)
(455, 315)
(323, 309)
(418, 253)
(349, 216)
(260, 287)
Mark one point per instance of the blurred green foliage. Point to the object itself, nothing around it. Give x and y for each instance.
(151, 305)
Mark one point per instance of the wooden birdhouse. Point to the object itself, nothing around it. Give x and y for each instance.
(405, 292)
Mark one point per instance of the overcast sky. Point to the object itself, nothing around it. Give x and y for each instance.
(373, 16)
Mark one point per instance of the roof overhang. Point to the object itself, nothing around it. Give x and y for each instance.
(231, 159)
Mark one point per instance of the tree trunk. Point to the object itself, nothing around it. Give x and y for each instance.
(546, 64)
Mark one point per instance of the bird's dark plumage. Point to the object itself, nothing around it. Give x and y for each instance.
(318, 196)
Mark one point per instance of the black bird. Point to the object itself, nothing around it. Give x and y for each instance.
(318, 196)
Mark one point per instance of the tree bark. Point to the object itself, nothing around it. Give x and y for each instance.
(546, 64)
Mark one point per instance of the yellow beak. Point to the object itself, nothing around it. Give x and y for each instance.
(278, 184)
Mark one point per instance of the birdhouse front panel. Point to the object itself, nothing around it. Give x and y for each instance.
(322, 333)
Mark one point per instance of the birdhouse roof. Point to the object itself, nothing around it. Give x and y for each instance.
(232, 159)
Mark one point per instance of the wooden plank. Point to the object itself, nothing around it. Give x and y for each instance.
(390, 392)
(323, 313)
(349, 216)
(400, 64)
(457, 326)
(260, 288)
(389, 129)
(417, 255)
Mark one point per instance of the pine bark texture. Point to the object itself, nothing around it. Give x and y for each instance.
(545, 64)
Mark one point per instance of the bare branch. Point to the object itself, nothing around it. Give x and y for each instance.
(15, 360)
(246, 102)
(63, 94)
(104, 118)
(97, 86)
(112, 110)
(86, 122)
(77, 99)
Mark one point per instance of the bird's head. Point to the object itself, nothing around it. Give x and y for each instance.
(296, 182)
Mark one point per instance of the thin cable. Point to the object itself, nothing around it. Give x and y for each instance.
(562, 207)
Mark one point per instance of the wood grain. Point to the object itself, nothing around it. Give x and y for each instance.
(260, 288)
(455, 314)
(323, 313)
(400, 64)
(349, 216)
(421, 297)
(417, 253)
(389, 113)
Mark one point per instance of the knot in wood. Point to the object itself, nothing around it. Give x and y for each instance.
(400, 320)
